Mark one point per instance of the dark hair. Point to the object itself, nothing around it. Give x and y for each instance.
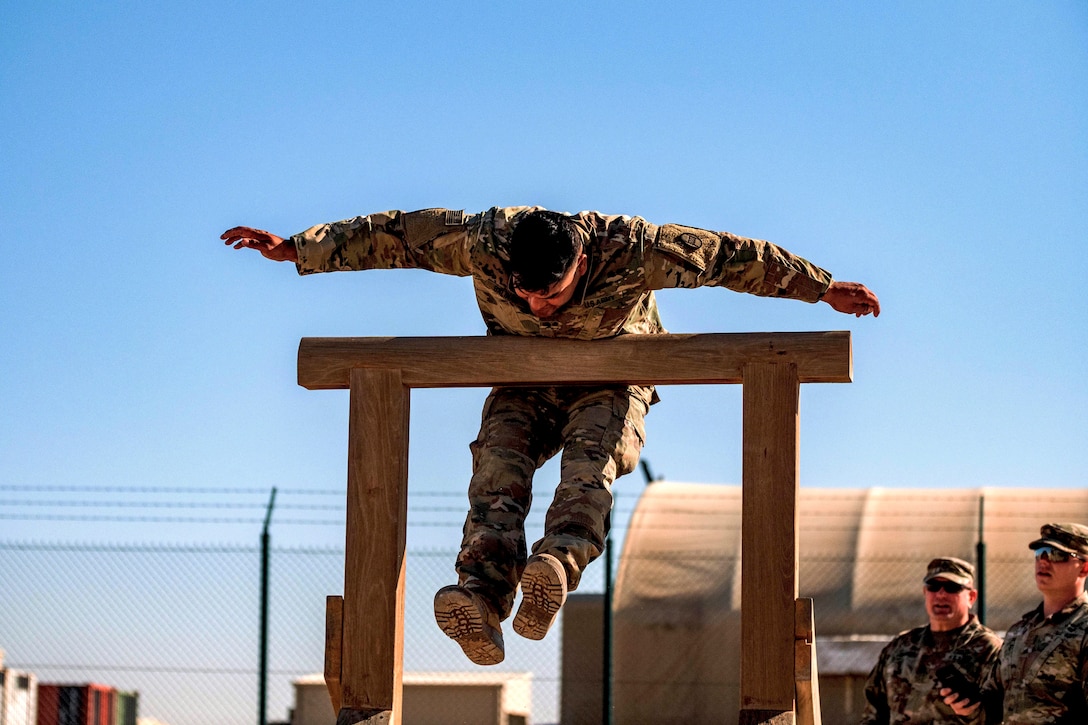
(543, 247)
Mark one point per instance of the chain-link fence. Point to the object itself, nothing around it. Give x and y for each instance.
(180, 624)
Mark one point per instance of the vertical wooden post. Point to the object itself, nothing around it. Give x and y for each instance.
(807, 674)
(377, 508)
(334, 647)
(769, 542)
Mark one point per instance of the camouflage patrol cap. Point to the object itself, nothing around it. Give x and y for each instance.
(951, 569)
(1070, 538)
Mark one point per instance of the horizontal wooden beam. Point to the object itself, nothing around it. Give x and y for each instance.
(324, 363)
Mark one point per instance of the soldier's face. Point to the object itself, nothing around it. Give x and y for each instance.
(1057, 576)
(948, 609)
(546, 303)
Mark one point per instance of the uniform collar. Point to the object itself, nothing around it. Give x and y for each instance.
(1062, 614)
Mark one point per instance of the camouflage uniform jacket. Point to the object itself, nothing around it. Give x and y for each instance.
(902, 687)
(1041, 677)
(628, 259)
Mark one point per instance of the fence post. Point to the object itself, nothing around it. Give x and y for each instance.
(606, 669)
(980, 563)
(262, 685)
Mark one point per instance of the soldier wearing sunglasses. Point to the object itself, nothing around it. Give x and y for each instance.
(904, 686)
(1041, 675)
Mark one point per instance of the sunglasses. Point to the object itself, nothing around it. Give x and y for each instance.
(949, 587)
(1054, 556)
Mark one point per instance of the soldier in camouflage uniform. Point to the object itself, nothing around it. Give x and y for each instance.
(1041, 676)
(904, 687)
(585, 276)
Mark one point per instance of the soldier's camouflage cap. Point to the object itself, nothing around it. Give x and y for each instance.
(1070, 538)
(951, 569)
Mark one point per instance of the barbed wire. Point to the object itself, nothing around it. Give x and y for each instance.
(628, 514)
(170, 504)
(701, 555)
(619, 525)
(147, 669)
(161, 519)
(168, 489)
(714, 492)
(117, 548)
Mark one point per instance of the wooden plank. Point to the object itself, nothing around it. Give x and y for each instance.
(769, 538)
(377, 510)
(334, 643)
(445, 362)
(805, 672)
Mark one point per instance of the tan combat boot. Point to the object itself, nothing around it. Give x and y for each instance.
(543, 591)
(468, 620)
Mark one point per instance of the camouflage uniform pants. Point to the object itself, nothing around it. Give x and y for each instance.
(599, 430)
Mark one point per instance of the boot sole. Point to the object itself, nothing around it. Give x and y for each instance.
(460, 619)
(542, 596)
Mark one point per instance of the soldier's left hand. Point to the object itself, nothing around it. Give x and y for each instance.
(852, 298)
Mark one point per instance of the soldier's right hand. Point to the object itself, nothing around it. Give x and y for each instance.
(271, 246)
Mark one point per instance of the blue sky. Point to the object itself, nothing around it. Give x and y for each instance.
(937, 152)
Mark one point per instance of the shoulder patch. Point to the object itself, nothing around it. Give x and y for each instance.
(421, 227)
(697, 247)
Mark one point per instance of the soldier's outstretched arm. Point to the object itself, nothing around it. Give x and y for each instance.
(271, 246)
(851, 298)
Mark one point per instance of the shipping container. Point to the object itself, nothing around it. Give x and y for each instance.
(48, 696)
(88, 704)
(127, 704)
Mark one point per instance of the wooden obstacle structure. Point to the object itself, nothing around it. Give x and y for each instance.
(364, 643)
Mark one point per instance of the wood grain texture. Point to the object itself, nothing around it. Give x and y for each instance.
(805, 671)
(334, 643)
(377, 512)
(769, 535)
(458, 362)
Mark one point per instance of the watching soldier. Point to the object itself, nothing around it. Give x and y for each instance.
(905, 685)
(1041, 675)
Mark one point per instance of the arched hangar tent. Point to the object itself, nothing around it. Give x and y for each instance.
(863, 552)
